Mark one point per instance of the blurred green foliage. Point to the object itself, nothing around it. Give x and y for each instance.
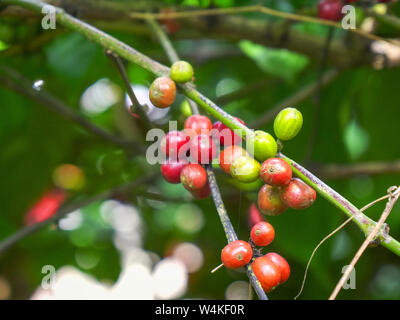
(358, 122)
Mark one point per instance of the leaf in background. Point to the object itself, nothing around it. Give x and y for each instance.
(278, 62)
(70, 55)
(356, 140)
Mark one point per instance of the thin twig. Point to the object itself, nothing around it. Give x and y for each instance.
(394, 193)
(18, 83)
(362, 221)
(70, 207)
(252, 8)
(228, 228)
(343, 171)
(136, 105)
(330, 235)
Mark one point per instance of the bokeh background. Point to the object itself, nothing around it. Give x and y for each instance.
(157, 242)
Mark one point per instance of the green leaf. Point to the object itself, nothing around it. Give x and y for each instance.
(278, 62)
(355, 139)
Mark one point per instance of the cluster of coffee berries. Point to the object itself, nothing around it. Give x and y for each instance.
(281, 191)
(162, 91)
(270, 269)
(186, 152)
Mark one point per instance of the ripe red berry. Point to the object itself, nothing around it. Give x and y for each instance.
(171, 170)
(228, 155)
(281, 263)
(197, 124)
(276, 172)
(254, 215)
(298, 195)
(202, 149)
(193, 177)
(45, 207)
(202, 193)
(266, 272)
(225, 135)
(269, 201)
(330, 10)
(172, 143)
(162, 92)
(262, 234)
(236, 254)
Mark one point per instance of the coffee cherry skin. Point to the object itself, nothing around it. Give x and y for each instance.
(269, 201)
(298, 195)
(282, 265)
(330, 10)
(193, 177)
(197, 124)
(172, 143)
(228, 155)
(245, 169)
(181, 71)
(262, 145)
(262, 234)
(162, 92)
(226, 135)
(236, 254)
(202, 193)
(288, 123)
(171, 170)
(276, 172)
(202, 149)
(266, 272)
(254, 215)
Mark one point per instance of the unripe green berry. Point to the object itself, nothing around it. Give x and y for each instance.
(288, 123)
(186, 109)
(262, 145)
(245, 169)
(181, 71)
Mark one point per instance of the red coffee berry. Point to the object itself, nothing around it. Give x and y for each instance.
(228, 155)
(162, 92)
(202, 193)
(225, 135)
(172, 143)
(281, 263)
(266, 272)
(202, 149)
(197, 124)
(171, 170)
(298, 195)
(193, 177)
(45, 207)
(330, 10)
(276, 172)
(262, 234)
(269, 201)
(236, 254)
(254, 215)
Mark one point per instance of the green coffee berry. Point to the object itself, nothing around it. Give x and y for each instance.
(288, 123)
(262, 145)
(181, 71)
(245, 169)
